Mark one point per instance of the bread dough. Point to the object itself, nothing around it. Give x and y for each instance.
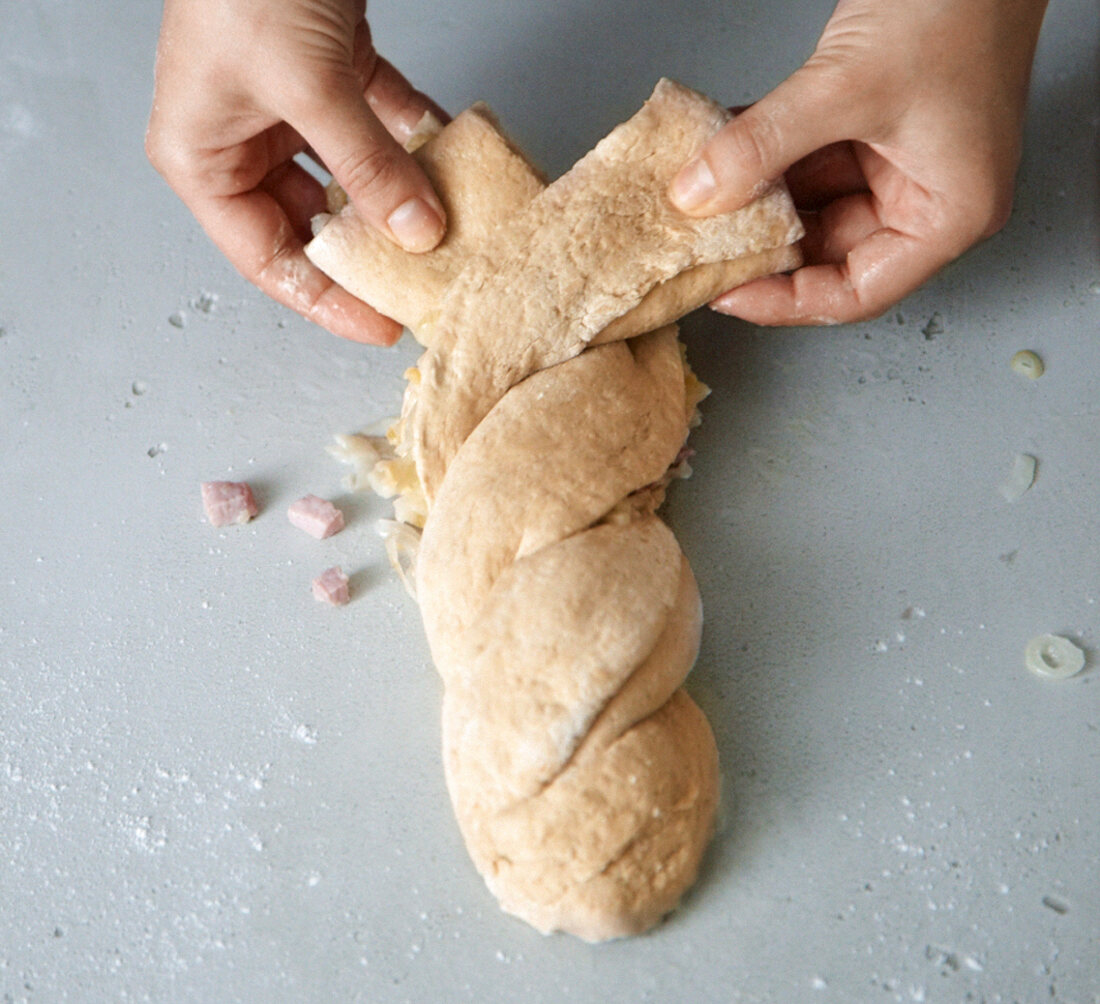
(551, 402)
(405, 286)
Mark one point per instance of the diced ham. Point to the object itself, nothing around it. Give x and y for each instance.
(228, 502)
(331, 586)
(316, 516)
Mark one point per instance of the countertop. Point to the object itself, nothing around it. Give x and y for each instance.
(213, 788)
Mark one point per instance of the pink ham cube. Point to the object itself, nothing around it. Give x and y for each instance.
(331, 586)
(317, 517)
(228, 502)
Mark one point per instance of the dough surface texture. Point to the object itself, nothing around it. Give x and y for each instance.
(545, 420)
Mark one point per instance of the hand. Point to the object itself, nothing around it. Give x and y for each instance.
(244, 86)
(900, 139)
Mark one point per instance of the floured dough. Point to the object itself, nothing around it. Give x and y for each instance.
(543, 420)
(407, 287)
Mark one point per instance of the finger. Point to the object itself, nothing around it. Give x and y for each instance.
(878, 272)
(184, 157)
(747, 155)
(299, 194)
(383, 181)
(824, 175)
(400, 107)
(834, 231)
(256, 235)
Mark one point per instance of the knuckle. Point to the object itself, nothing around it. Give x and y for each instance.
(829, 73)
(750, 145)
(987, 211)
(971, 213)
(169, 159)
(158, 151)
(858, 96)
(369, 172)
(232, 178)
(310, 90)
(995, 213)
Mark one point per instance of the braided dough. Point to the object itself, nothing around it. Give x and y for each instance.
(543, 421)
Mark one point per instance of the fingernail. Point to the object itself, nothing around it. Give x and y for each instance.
(693, 186)
(415, 225)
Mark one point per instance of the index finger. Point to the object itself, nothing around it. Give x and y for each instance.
(255, 234)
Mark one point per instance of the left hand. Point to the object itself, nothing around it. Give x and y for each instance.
(242, 88)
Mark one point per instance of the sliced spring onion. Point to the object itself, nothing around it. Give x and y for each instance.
(1054, 657)
(1020, 478)
(1028, 364)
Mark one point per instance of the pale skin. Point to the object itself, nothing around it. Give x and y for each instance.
(899, 138)
(242, 88)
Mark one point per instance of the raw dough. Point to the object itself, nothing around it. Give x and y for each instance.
(407, 287)
(543, 419)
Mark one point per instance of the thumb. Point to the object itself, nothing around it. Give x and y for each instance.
(738, 163)
(382, 180)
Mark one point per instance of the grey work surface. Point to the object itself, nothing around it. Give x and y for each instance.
(213, 788)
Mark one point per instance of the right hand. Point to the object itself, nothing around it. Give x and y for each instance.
(244, 86)
(899, 139)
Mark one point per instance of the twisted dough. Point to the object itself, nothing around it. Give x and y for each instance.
(546, 416)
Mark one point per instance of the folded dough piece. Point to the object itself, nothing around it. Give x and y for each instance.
(585, 252)
(543, 419)
(407, 287)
